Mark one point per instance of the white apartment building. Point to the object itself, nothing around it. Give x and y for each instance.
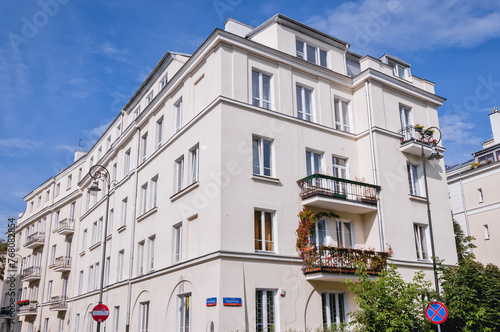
(474, 195)
(210, 163)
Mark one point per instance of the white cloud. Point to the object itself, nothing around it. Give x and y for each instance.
(17, 147)
(412, 25)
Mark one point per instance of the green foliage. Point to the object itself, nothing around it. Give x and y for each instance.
(463, 243)
(306, 222)
(388, 303)
(3, 257)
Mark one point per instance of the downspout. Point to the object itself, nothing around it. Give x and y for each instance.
(345, 58)
(466, 215)
(374, 165)
(132, 236)
(44, 278)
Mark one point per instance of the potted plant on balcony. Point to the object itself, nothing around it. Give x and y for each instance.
(429, 132)
(418, 127)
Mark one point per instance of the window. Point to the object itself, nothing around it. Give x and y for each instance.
(77, 323)
(80, 283)
(405, 118)
(84, 240)
(144, 145)
(53, 255)
(339, 167)
(124, 212)
(345, 234)
(177, 243)
(480, 195)
(90, 285)
(61, 324)
(140, 258)
(126, 163)
(304, 103)
(486, 159)
(311, 53)
(261, 90)
(137, 112)
(72, 213)
(318, 233)
(99, 153)
(149, 98)
(120, 265)
(179, 174)
(151, 253)
(56, 219)
(159, 132)
(262, 156)
(144, 317)
(107, 270)
(333, 305)
(486, 232)
(144, 198)
(178, 115)
(108, 142)
(184, 313)
(154, 192)
(263, 230)
(47, 195)
(39, 201)
(49, 291)
(111, 220)
(265, 310)
(114, 172)
(118, 130)
(342, 115)
(116, 318)
(313, 162)
(421, 241)
(414, 176)
(398, 69)
(46, 325)
(58, 189)
(163, 82)
(96, 276)
(194, 169)
(80, 171)
(30, 326)
(90, 322)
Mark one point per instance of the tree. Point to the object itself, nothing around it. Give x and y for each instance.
(3, 257)
(463, 243)
(389, 303)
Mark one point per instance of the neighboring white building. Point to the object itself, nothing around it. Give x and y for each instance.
(475, 198)
(210, 162)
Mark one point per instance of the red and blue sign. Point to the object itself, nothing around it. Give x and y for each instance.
(211, 302)
(436, 312)
(231, 301)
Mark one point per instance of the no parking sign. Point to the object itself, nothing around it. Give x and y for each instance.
(436, 312)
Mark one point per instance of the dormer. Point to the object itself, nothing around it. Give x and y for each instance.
(399, 67)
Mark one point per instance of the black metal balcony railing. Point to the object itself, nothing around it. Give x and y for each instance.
(342, 260)
(414, 134)
(62, 261)
(329, 186)
(31, 272)
(35, 237)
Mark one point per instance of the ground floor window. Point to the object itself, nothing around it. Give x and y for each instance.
(265, 311)
(184, 313)
(333, 305)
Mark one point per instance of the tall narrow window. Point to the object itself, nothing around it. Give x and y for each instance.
(339, 167)
(56, 219)
(61, 324)
(124, 212)
(107, 270)
(265, 310)
(151, 253)
(53, 255)
(159, 132)
(58, 189)
(126, 163)
(144, 146)
(80, 172)
(154, 192)
(49, 290)
(421, 241)
(144, 198)
(119, 266)
(177, 243)
(163, 82)
(405, 118)
(46, 325)
(108, 142)
(342, 115)
(318, 233)
(333, 305)
(140, 258)
(114, 172)
(263, 230)
(194, 167)
(39, 201)
(184, 313)
(96, 276)
(345, 234)
(144, 317)
(47, 195)
(414, 179)
(77, 323)
(480, 195)
(84, 241)
(313, 162)
(262, 156)
(149, 98)
(261, 90)
(304, 104)
(72, 214)
(80, 282)
(178, 115)
(116, 318)
(90, 322)
(179, 174)
(486, 232)
(111, 220)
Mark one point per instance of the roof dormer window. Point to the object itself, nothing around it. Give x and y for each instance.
(311, 53)
(399, 70)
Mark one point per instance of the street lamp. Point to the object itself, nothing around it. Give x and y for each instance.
(427, 138)
(97, 172)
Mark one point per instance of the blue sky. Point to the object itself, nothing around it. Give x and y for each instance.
(68, 66)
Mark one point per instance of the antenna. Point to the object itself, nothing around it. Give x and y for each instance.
(79, 144)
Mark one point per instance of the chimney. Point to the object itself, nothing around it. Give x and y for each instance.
(495, 124)
(79, 154)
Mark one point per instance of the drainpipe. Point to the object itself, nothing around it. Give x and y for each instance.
(345, 58)
(132, 235)
(374, 165)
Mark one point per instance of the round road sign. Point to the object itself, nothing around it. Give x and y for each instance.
(436, 312)
(100, 313)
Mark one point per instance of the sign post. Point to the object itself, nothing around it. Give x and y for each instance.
(100, 313)
(436, 312)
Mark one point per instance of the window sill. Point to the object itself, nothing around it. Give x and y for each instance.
(95, 245)
(147, 214)
(184, 191)
(51, 265)
(82, 253)
(121, 228)
(417, 198)
(263, 178)
(109, 237)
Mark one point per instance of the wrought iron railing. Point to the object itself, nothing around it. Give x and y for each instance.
(329, 186)
(31, 272)
(62, 261)
(35, 237)
(342, 260)
(416, 134)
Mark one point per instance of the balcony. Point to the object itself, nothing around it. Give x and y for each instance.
(328, 192)
(66, 226)
(412, 140)
(27, 310)
(31, 273)
(336, 264)
(58, 303)
(35, 240)
(62, 264)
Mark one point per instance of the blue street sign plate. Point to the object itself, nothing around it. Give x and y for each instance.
(232, 301)
(211, 302)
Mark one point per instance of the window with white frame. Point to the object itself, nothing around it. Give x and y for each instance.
(149, 98)
(80, 283)
(313, 162)
(119, 265)
(480, 195)
(111, 221)
(178, 115)
(144, 198)
(137, 112)
(77, 323)
(345, 234)
(486, 159)
(31, 206)
(399, 70)
(194, 154)
(421, 241)
(124, 212)
(56, 219)
(304, 103)
(140, 258)
(39, 201)
(108, 142)
(80, 172)
(96, 276)
(405, 119)
(333, 305)
(311, 53)
(163, 82)
(184, 313)
(177, 243)
(99, 153)
(486, 231)
(340, 169)
(151, 253)
(47, 195)
(116, 318)
(84, 241)
(46, 325)
(318, 233)
(154, 192)
(414, 176)
(126, 163)
(49, 290)
(53, 254)
(179, 174)
(144, 146)
(107, 270)
(342, 115)
(159, 132)
(262, 150)
(264, 230)
(261, 89)
(61, 324)
(265, 310)
(90, 322)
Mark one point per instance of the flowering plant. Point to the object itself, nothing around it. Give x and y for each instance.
(23, 302)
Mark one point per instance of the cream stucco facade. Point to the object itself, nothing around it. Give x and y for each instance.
(209, 164)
